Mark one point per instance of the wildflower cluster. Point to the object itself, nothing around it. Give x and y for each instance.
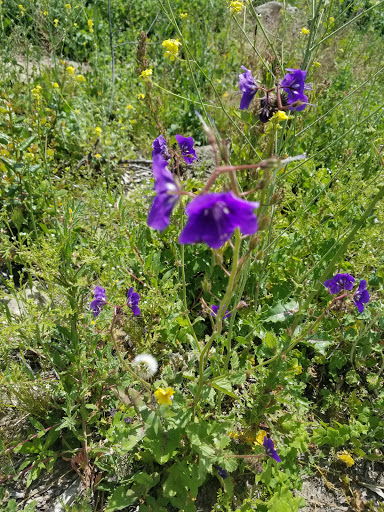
(289, 94)
(345, 282)
(100, 301)
(236, 6)
(171, 48)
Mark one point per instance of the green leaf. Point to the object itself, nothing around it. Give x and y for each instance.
(281, 312)
(224, 386)
(127, 494)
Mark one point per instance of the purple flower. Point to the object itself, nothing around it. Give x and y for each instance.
(132, 302)
(361, 296)
(248, 87)
(222, 472)
(294, 84)
(128, 419)
(99, 302)
(340, 282)
(270, 449)
(165, 199)
(113, 411)
(214, 217)
(160, 147)
(215, 309)
(186, 148)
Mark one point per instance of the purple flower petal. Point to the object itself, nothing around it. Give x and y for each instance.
(294, 84)
(339, 282)
(270, 449)
(186, 148)
(215, 309)
(160, 147)
(99, 302)
(132, 301)
(361, 296)
(214, 217)
(248, 87)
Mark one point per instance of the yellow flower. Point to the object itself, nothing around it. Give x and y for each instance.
(70, 70)
(346, 458)
(305, 31)
(317, 64)
(90, 25)
(77, 111)
(141, 96)
(22, 9)
(98, 131)
(98, 156)
(183, 15)
(164, 397)
(45, 13)
(172, 48)
(281, 116)
(236, 6)
(68, 6)
(129, 107)
(55, 85)
(80, 78)
(55, 22)
(146, 73)
(260, 437)
(75, 24)
(331, 19)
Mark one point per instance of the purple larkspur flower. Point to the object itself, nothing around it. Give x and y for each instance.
(361, 296)
(222, 472)
(132, 302)
(294, 85)
(212, 219)
(215, 309)
(99, 302)
(186, 148)
(160, 147)
(128, 420)
(166, 198)
(270, 449)
(248, 87)
(340, 282)
(113, 411)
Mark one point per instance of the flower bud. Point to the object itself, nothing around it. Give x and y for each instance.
(260, 255)
(254, 242)
(264, 222)
(274, 198)
(218, 257)
(206, 285)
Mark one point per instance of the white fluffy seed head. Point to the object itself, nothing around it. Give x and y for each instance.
(146, 365)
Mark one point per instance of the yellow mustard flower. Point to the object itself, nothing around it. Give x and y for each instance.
(141, 96)
(305, 31)
(98, 156)
(55, 85)
(346, 458)
(236, 6)
(22, 9)
(164, 397)
(98, 131)
(77, 111)
(260, 437)
(90, 25)
(75, 24)
(146, 74)
(68, 6)
(70, 70)
(331, 19)
(129, 107)
(80, 78)
(56, 22)
(45, 13)
(317, 64)
(183, 15)
(172, 48)
(281, 116)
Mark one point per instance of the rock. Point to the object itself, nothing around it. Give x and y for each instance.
(67, 497)
(16, 306)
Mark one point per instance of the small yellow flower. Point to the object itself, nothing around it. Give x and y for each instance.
(164, 397)
(260, 437)
(133, 121)
(146, 74)
(172, 48)
(317, 64)
(45, 13)
(129, 107)
(281, 116)
(75, 24)
(77, 111)
(56, 22)
(98, 131)
(55, 85)
(68, 6)
(98, 156)
(305, 31)
(141, 96)
(93, 322)
(22, 9)
(90, 25)
(183, 15)
(70, 70)
(80, 78)
(236, 6)
(331, 19)
(346, 458)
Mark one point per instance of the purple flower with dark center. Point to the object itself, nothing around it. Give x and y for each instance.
(160, 147)
(186, 148)
(340, 282)
(166, 194)
(214, 217)
(113, 411)
(270, 449)
(361, 296)
(128, 420)
(294, 85)
(132, 302)
(215, 309)
(222, 472)
(99, 302)
(248, 87)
